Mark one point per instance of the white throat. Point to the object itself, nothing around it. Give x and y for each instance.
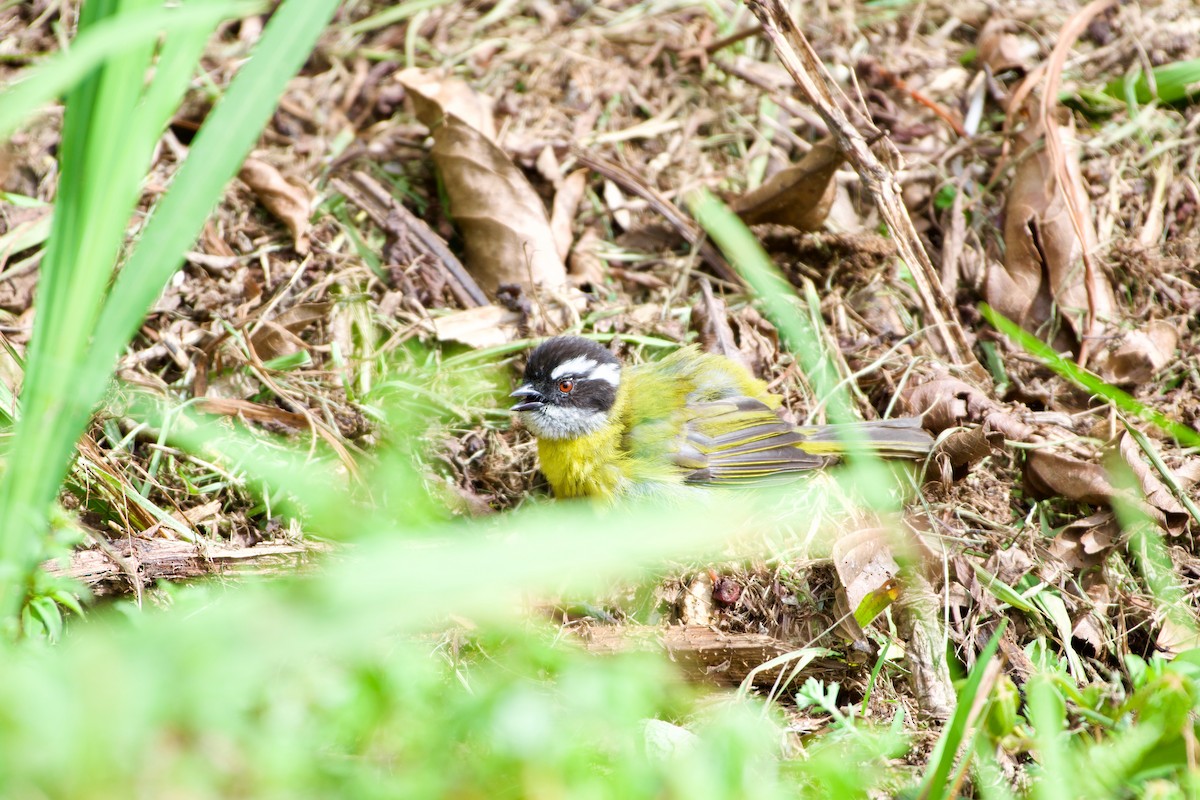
(563, 422)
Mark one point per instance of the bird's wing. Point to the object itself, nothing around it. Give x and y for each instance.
(740, 440)
(718, 425)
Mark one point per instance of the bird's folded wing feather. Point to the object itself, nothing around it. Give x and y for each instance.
(740, 440)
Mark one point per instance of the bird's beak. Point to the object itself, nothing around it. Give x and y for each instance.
(535, 399)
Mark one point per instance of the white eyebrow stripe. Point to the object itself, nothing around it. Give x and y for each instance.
(610, 373)
(579, 365)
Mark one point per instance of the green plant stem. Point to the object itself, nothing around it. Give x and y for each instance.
(72, 371)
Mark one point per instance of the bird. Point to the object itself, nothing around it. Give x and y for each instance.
(690, 421)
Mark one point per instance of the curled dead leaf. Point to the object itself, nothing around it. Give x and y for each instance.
(1165, 507)
(507, 234)
(436, 95)
(287, 199)
(1051, 473)
(799, 196)
(1043, 269)
(504, 225)
(1138, 355)
(963, 448)
(945, 403)
(1010, 426)
(1000, 49)
(1086, 543)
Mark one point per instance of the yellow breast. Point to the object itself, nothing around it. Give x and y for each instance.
(586, 467)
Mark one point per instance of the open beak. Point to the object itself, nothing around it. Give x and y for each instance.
(532, 398)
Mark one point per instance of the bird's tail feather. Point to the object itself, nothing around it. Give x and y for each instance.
(902, 437)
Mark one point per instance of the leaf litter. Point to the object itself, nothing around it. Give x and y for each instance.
(527, 176)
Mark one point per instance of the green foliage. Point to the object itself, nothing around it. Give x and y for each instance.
(1172, 83)
(1086, 380)
(506, 714)
(114, 116)
(938, 781)
(1131, 744)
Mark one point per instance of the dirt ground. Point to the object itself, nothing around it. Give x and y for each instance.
(368, 223)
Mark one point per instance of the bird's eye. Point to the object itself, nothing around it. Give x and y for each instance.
(566, 386)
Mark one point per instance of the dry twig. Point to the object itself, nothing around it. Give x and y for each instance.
(802, 64)
(391, 216)
(687, 228)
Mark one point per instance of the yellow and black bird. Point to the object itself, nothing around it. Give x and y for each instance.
(691, 419)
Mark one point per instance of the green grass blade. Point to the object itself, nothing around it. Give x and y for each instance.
(1173, 82)
(1047, 713)
(780, 306)
(39, 85)
(1081, 377)
(941, 761)
(216, 154)
(101, 167)
(68, 380)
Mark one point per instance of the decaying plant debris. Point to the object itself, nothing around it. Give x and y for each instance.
(536, 182)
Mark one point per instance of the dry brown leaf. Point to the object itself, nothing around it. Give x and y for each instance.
(1002, 50)
(435, 94)
(1176, 637)
(505, 228)
(1043, 264)
(945, 403)
(566, 204)
(966, 447)
(1050, 473)
(1008, 565)
(506, 232)
(288, 199)
(492, 325)
(1188, 473)
(1086, 543)
(485, 326)
(1166, 509)
(280, 336)
(800, 195)
(864, 562)
(1138, 355)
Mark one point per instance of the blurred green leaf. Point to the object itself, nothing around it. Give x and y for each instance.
(1174, 82)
